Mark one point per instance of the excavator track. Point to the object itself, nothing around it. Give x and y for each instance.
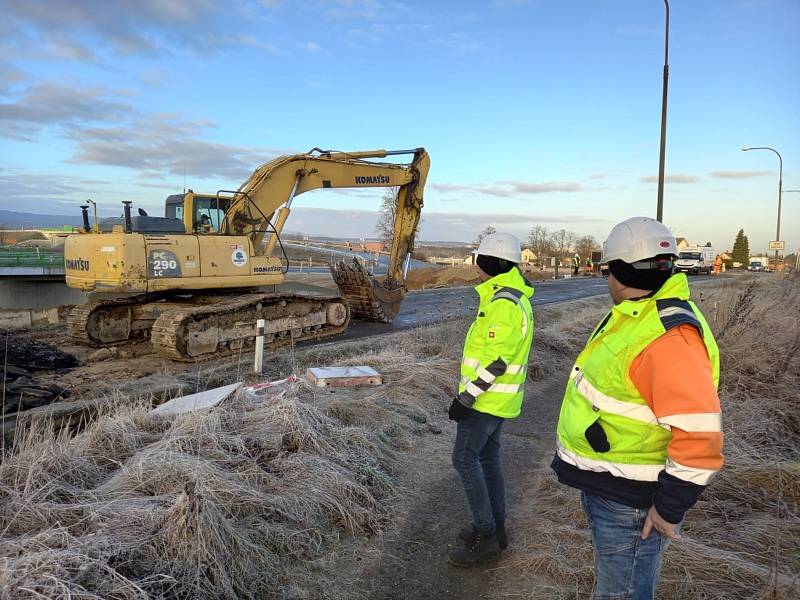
(369, 300)
(198, 332)
(106, 322)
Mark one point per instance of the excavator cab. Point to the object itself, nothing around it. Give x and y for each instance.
(200, 213)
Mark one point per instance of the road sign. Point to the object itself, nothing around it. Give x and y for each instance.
(777, 245)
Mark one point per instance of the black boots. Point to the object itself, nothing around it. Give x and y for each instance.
(481, 548)
(466, 535)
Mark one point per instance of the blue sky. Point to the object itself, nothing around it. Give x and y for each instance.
(534, 113)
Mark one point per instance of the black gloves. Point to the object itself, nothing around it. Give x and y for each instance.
(458, 411)
(596, 436)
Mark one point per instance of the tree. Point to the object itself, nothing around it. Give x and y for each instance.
(741, 248)
(489, 230)
(562, 241)
(539, 242)
(386, 216)
(586, 245)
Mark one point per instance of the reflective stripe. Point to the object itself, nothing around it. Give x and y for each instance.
(505, 388)
(471, 362)
(486, 375)
(690, 474)
(473, 390)
(637, 412)
(516, 369)
(636, 472)
(694, 422)
(671, 311)
(464, 380)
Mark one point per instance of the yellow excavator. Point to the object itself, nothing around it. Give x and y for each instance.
(193, 281)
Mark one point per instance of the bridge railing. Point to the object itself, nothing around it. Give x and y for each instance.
(34, 257)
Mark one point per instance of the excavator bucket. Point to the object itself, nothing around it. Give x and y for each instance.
(369, 299)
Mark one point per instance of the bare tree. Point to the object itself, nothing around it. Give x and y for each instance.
(386, 216)
(562, 241)
(586, 245)
(539, 242)
(489, 230)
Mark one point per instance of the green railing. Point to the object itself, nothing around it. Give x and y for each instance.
(31, 257)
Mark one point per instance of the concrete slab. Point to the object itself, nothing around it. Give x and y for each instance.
(343, 376)
(206, 399)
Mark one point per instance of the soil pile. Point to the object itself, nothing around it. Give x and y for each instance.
(31, 354)
(20, 357)
(432, 278)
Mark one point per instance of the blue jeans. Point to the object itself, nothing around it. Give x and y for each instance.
(476, 458)
(626, 566)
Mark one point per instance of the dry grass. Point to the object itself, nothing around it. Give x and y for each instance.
(741, 539)
(249, 499)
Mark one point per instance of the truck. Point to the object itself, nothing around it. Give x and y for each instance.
(695, 260)
(758, 263)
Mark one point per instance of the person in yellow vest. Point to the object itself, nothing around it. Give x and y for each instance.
(494, 366)
(639, 431)
(576, 264)
(589, 266)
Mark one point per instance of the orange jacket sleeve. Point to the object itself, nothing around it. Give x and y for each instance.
(674, 376)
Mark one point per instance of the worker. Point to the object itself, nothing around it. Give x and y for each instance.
(205, 223)
(640, 442)
(493, 371)
(589, 266)
(576, 264)
(717, 264)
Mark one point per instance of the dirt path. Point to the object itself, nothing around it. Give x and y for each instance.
(413, 556)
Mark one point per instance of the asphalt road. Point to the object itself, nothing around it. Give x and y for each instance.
(432, 306)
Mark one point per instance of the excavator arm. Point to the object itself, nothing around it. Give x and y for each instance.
(261, 206)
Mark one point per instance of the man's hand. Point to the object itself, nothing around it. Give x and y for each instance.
(458, 411)
(654, 521)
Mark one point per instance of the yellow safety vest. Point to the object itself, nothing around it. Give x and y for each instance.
(495, 361)
(600, 388)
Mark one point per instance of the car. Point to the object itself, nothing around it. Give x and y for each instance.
(755, 266)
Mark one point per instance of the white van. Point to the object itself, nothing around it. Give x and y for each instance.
(696, 260)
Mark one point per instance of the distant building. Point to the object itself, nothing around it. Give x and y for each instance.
(373, 247)
(528, 256)
(682, 243)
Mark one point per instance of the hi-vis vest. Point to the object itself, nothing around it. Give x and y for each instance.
(495, 361)
(600, 388)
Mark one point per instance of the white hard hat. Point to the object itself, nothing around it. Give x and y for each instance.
(638, 238)
(501, 245)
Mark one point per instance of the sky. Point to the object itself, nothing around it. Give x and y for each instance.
(533, 112)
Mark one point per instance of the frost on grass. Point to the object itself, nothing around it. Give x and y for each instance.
(242, 501)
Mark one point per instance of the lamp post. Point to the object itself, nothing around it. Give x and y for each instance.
(780, 185)
(660, 204)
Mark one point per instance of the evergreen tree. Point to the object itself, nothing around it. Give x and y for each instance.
(741, 248)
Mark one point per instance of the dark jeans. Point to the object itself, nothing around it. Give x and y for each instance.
(626, 566)
(476, 457)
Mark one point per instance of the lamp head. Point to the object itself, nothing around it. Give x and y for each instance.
(745, 148)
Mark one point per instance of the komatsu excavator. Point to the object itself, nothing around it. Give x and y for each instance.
(193, 281)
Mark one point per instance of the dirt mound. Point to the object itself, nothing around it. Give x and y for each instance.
(426, 279)
(33, 355)
(431, 278)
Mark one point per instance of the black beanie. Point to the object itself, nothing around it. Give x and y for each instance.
(642, 279)
(493, 266)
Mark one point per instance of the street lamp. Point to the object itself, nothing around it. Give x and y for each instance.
(660, 205)
(780, 185)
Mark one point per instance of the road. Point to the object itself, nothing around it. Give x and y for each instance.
(347, 255)
(432, 306)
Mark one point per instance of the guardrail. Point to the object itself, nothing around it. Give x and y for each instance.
(35, 257)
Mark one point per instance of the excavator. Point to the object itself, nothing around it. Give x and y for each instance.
(193, 282)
